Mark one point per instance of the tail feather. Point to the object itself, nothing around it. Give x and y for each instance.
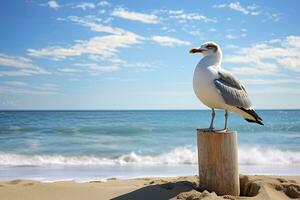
(257, 119)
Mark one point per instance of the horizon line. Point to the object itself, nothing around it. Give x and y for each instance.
(147, 109)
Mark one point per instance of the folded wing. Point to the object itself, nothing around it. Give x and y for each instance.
(232, 91)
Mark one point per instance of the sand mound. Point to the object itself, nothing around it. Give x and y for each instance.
(254, 188)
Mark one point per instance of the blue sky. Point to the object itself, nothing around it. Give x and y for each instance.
(134, 54)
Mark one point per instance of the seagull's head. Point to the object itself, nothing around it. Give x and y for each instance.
(208, 48)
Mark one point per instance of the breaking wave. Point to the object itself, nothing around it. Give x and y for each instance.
(178, 156)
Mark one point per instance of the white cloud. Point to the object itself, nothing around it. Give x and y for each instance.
(103, 3)
(230, 36)
(94, 24)
(192, 17)
(195, 33)
(238, 7)
(18, 66)
(15, 83)
(270, 81)
(169, 41)
(13, 61)
(24, 72)
(273, 17)
(220, 6)
(69, 70)
(253, 10)
(102, 11)
(101, 50)
(268, 57)
(45, 88)
(183, 17)
(273, 41)
(53, 4)
(142, 66)
(292, 41)
(247, 10)
(135, 16)
(167, 29)
(98, 68)
(85, 5)
(291, 63)
(277, 90)
(106, 46)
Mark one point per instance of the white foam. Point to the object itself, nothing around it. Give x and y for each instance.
(178, 156)
(267, 156)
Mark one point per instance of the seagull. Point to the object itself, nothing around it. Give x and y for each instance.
(219, 89)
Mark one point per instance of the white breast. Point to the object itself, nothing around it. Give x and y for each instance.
(204, 87)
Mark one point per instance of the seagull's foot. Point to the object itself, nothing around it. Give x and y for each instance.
(211, 128)
(206, 129)
(224, 130)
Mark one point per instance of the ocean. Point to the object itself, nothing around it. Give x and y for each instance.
(96, 145)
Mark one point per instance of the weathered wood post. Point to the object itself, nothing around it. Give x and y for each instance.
(218, 162)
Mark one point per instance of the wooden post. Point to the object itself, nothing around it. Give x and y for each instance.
(218, 162)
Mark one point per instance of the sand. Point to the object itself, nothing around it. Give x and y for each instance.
(184, 188)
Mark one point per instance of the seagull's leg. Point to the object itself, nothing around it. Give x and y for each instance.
(226, 120)
(211, 127)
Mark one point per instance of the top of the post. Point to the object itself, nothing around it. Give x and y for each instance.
(209, 131)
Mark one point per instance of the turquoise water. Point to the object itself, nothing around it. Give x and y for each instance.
(83, 145)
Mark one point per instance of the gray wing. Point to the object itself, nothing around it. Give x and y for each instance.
(232, 91)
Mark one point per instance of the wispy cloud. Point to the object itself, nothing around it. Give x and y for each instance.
(237, 6)
(169, 41)
(277, 90)
(15, 83)
(252, 10)
(184, 17)
(233, 34)
(135, 16)
(14, 61)
(273, 17)
(96, 68)
(230, 36)
(47, 87)
(18, 66)
(106, 46)
(94, 24)
(267, 57)
(256, 81)
(103, 3)
(53, 4)
(143, 66)
(16, 87)
(85, 5)
(69, 70)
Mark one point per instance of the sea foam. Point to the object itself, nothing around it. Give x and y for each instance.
(178, 156)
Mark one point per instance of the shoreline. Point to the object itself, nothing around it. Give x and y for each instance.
(90, 173)
(183, 187)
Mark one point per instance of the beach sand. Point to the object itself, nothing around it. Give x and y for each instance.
(184, 188)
